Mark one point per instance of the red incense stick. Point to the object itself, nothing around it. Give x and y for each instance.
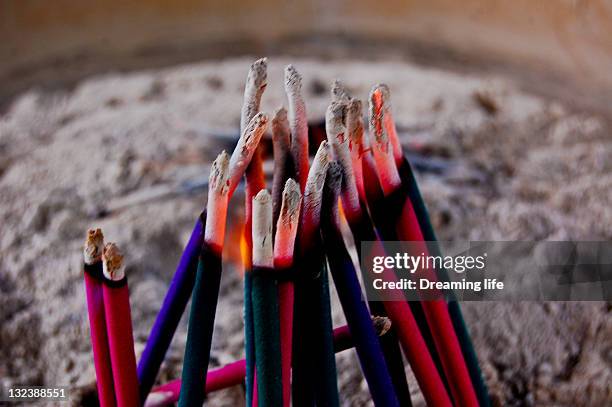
(408, 229)
(119, 327)
(92, 256)
(286, 229)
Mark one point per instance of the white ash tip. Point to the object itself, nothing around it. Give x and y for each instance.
(112, 262)
(339, 92)
(255, 130)
(94, 246)
(316, 176)
(321, 158)
(218, 181)
(258, 73)
(335, 117)
(262, 197)
(354, 122)
(291, 202)
(263, 251)
(293, 79)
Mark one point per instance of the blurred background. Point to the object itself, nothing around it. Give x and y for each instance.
(111, 112)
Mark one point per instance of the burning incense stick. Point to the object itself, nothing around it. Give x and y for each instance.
(245, 149)
(253, 90)
(171, 311)
(286, 230)
(119, 327)
(265, 306)
(206, 287)
(255, 85)
(92, 257)
(349, 291)
(338, 139)
(233, 374)
(360, 223)
(436, 311)
(314, 365)
(382, 96)
(298, 124)
(283, 164)
(354, 129)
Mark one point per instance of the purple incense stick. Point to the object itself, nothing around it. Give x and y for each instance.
(171, 311)
(347, 284)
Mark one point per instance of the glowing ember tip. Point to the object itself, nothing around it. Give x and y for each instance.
(112, 262)
(94, 245)
(376, 113)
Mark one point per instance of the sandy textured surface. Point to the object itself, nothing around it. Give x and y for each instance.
(518, 167)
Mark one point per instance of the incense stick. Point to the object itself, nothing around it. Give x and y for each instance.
(349, 291)
(233, 373)
(171, 311)
(243, 154)
(206, 287)
(283, 164)
(286, 230)
(253, 90)
(119, 327)
(354, 129)
(255, 85)
(314, 377)
(360, 224)
(92, 273)
(454, 309)
(298, 124)
(265, 306)
(436, 311)
(338, 140)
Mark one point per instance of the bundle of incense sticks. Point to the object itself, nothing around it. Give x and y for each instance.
(294, 244)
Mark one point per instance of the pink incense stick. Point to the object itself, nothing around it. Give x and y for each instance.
(92, 255)
(408, 229)
(286, 230)
(119, 327)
